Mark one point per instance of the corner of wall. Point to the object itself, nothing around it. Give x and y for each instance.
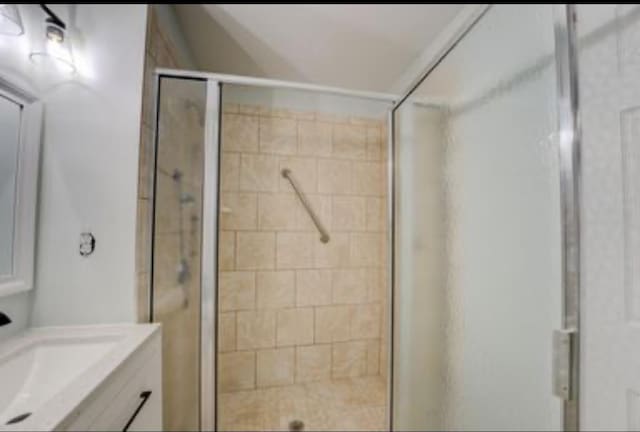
(451, 32)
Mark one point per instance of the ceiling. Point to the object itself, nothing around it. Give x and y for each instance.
(358, 46)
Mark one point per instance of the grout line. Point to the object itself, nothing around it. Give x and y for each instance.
(350, 121)
(319, 157)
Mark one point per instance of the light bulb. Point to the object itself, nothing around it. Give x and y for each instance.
(56, 54)
(10, 22)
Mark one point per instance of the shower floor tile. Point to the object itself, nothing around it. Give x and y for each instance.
(355, 404)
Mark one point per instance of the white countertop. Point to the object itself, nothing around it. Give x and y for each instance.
(54, 387)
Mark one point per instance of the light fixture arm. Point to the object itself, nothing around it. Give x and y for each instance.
(53, 18)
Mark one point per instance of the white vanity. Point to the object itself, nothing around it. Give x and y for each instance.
(105, 378)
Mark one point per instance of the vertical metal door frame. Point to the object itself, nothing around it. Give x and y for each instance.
(390, 263)
(569, 164)
(209, 241)
(209, 264)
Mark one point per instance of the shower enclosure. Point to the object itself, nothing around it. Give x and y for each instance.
(337, 260)
(270, 242)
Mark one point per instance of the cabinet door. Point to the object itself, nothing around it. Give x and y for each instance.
(609, 67)
(138, 406)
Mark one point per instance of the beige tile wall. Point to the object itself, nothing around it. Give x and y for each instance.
(293, 309)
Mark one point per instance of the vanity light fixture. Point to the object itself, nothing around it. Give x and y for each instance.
(10, 21)
(56, 52)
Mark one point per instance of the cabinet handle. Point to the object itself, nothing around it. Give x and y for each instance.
(145, 397)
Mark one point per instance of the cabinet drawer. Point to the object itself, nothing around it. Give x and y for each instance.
(137, 406)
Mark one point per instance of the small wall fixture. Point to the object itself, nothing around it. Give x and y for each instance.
(10, 22)
(56, 52)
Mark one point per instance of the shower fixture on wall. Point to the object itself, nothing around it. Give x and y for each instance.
(183, 272)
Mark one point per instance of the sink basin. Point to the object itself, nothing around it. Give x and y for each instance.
(46, 373)
(34, 374)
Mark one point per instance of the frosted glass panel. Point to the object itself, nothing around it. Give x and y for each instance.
(478, 233)
(177, 246)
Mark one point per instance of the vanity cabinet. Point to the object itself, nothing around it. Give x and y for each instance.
(129, 400)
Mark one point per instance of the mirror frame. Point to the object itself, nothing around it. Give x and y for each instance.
(22, 276)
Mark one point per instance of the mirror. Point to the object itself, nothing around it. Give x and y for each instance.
(10, 113)
(20, 121)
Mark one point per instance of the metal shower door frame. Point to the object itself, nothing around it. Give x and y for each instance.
(209, 238)
(209, 264)
(569, 144)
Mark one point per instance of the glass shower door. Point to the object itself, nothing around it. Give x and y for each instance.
(177, 245)
(478, 232)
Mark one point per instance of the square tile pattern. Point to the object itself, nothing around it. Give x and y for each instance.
(301, 334)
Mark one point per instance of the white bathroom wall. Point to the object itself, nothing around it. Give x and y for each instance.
(88, 163)
(420, 294)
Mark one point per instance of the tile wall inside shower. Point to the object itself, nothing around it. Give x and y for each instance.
(301, 331)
